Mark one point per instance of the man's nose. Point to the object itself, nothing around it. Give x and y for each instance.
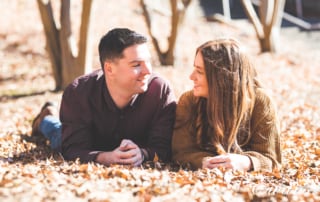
(146, 68)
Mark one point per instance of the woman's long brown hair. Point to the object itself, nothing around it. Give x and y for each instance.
(231, 83)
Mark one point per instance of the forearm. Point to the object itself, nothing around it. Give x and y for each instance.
(77, 145)
(264, 152)
(160, 134)
(159, 141)
(264, 147)
(191, 158)
(83, 155)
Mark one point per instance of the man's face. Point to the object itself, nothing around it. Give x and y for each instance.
(130, 74)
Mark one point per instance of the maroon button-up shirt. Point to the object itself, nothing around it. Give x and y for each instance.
(91, 122)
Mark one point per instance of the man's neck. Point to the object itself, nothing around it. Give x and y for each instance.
(120, 98)
(120, 101)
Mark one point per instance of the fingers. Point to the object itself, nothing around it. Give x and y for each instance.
(219, 165)
(219, 159)
(128, 153)
(233, 161)
(216, 162)
(126, 145)
(134, 160)
(130, 157)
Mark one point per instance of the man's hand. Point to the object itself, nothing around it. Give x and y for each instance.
(233, 161)
(128, 153)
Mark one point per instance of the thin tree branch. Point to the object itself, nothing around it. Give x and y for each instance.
(252, 15)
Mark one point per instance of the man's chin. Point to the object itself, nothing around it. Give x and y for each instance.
(143, 89)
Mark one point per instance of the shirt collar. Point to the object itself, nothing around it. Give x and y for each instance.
(111, 104)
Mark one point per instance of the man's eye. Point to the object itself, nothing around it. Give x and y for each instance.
(136, 65)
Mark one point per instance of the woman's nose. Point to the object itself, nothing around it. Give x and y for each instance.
(191, 75)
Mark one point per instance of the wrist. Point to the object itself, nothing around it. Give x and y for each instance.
(104, 158)
(144, 154)
(249, 163)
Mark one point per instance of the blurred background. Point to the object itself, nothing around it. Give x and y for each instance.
(26, 70)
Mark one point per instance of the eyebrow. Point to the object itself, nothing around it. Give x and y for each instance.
(139, 60)
(135, 61)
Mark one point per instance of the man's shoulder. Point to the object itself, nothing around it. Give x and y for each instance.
(86, 80)
(158, 80)
(159, 89)
(158, 84)
(85, 85)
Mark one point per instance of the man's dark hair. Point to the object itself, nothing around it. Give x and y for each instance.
(115, 41)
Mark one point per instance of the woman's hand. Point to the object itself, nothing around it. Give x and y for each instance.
(233, 161)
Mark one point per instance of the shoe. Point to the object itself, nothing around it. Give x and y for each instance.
(47, 109)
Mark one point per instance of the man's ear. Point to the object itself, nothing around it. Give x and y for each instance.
(107, 67)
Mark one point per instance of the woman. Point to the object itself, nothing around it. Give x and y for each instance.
(227, 120)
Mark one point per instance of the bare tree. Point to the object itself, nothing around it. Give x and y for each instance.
(178, 10)
(268, 26)
(67, 60)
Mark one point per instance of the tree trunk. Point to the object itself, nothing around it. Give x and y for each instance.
(85, 48)
(268, 26)
(52, 40)
(67, 44)
(67, 62)
(178, 9)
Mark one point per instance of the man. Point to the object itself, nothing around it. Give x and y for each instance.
(122, 114)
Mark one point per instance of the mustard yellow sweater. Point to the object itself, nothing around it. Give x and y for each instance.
(263, 148)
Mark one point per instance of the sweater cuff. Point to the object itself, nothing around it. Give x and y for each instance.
(255, 163)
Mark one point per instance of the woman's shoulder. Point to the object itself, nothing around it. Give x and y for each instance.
(263, 96)
(185, 108)
(187, 98)
(186, 103)
(264, 103)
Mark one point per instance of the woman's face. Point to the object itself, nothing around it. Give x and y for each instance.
(199, 78)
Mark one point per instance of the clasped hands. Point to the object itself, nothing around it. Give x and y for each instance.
(128, 153)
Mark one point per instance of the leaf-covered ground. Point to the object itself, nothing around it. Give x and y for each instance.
(30, 171)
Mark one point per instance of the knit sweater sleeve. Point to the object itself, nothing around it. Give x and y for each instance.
(184, 148)
(264, 146)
